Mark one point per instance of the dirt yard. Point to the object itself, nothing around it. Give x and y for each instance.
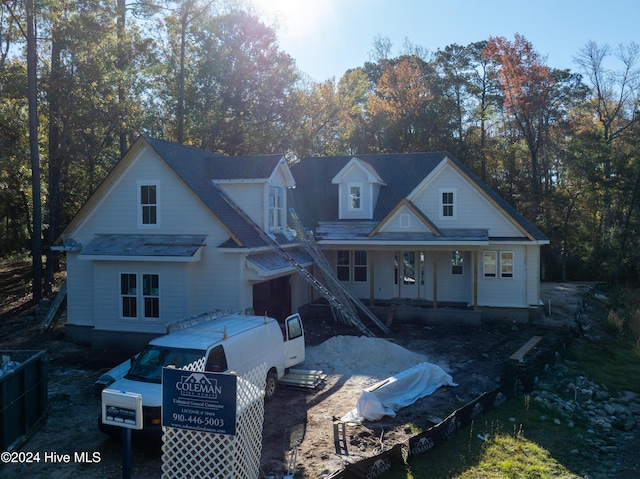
(296, 418)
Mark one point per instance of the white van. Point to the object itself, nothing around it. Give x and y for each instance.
(235, 343)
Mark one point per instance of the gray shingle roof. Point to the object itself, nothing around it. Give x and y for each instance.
(315, 199)
(144, 245)
(198, 167)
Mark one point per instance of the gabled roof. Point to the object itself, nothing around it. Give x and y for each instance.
(197, 168)
(415, 211)
(369, 170)
(316, 201)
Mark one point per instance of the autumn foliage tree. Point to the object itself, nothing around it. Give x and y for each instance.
(527, 85)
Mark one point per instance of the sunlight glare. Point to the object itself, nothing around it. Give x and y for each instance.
(295, 18)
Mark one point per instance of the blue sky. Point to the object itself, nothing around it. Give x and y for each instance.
(327, 37)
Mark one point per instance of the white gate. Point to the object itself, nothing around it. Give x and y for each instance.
(188, 454)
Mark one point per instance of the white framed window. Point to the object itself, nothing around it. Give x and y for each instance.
(506, 264)
(129, 295)
(343, 265)
(151, 295)
(490, 264)
(405, 220)
(448, 209)
(276, 209)
(352, 264)
(140, 302)
(457, 262)
(360, 266)
(355, 196)
(148, 204)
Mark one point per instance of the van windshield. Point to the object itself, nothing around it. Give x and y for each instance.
(149, 363)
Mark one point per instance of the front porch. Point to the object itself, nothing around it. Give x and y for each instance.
(422, 313)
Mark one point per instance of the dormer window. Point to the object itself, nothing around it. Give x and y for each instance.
(276, 209)
(147, 204)
(355, 197)
(359, 185)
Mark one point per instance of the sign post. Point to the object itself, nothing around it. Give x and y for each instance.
(200, 401)
(123, 409)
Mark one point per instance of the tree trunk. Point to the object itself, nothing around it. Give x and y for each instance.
(120, 27)
(54, 161)
(36, 238)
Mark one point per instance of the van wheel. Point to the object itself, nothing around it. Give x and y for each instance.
(272, 385)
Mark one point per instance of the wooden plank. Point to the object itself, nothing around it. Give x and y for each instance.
(49, 320)
(526, 348)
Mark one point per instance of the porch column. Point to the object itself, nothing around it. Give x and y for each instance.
(372, 286)
(475, 280)
(435, 284)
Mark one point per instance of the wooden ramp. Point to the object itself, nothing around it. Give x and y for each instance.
(526, 348)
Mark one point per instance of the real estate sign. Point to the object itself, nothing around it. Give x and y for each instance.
(201, 401)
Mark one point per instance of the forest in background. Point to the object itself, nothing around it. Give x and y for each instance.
(80, 80)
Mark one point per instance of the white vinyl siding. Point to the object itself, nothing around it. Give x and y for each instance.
(187, 288)
(506, 291)
(474, 210)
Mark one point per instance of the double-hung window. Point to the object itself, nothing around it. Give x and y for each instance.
(498, 264)
(129, 295)
(343, 267)
(140, 302)
(448, 204)
(352, 264)
(355, 197)
(276, 209)
(148, 204)
(151, 295)
(360, 265)
(506, 264)
(490, 264)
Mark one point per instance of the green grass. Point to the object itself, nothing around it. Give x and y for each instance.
(525, 441)
(613, 361)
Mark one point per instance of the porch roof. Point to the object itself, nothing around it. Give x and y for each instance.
(144, 245)
(271, 261)
(359, 231)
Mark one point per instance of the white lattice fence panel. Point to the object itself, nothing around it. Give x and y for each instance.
(188, 454)
(197, 365)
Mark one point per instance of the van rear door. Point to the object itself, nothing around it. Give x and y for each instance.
(294, 344)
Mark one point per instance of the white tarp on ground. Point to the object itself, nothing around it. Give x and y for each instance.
(396, 392)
